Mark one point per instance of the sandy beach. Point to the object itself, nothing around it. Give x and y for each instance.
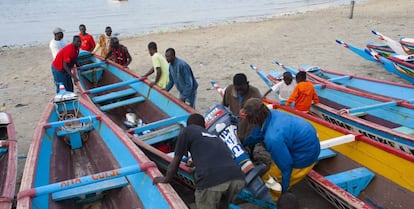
(218, 52)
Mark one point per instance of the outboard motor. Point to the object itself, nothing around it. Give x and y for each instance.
(221, 121)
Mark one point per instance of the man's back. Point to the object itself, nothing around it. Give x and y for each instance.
(212, 159)
(303, 95)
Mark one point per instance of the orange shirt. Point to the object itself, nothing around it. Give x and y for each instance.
(303, 95)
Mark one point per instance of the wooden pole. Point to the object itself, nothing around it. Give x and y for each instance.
(352, 9)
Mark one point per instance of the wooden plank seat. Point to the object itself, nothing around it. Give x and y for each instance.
(83, 192)
(122, 103)
(326, 153)
(91, 71)
(159, 123)
(73, 129)
(345, 77)
(114, 95)
(92, 65)
(404, 129)
(371, 107)
(111, 86)
(160, 135)
(353, 181)
(71, 122)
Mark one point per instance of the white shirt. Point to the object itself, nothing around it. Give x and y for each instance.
(283, 90)
(55, 46)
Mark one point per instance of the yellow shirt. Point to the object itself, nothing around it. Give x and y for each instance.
(159, 61)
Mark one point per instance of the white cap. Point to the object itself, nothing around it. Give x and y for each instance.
(58, 30)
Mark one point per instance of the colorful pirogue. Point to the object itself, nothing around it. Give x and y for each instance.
(151, 116)
(80, 159)
(392, 90)
(400, 65)
(382, 119)
(348, 163)
(8, 159)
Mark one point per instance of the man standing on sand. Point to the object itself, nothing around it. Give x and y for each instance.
(118, 53)
(182, 76)
(57, 43)
(304, 93)
(88, 44)
(159, 65)
(218, 177)
(104, 42)
(62, 65)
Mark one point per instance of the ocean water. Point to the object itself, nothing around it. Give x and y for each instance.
(30, 22)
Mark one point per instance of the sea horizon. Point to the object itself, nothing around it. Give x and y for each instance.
(31, 23)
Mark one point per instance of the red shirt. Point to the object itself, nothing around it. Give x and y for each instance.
(119, 55)
(88, 44)
(67, 54)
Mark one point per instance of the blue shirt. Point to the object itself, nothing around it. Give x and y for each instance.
(182, 76)
(291, 141)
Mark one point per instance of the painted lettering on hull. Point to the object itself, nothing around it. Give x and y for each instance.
(70, 182)
(396, 145)
(94, 177)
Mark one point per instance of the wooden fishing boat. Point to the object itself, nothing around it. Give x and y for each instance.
(408, 45)
(8, 160)
(344, 179)
(348, 163)
(382, 88)
(80, 159)
(384, 120)
(157, 117)
(404, 46)
(400, 65)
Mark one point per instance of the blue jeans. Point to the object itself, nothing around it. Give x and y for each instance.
(62, 77)
(190, 100)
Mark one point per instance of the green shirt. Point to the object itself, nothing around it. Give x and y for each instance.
(159, 61)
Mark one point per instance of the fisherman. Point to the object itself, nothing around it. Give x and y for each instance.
(304, 93)
(159, 65)
(104, 42)
(292, 142)
(218, 177)
(57, 43)
(62, 65)
(284, 88)
(182, 76)
(118, 53)
(235, 96)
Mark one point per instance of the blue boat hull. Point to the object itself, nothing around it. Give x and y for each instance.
(381, 120)
(79, 157)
